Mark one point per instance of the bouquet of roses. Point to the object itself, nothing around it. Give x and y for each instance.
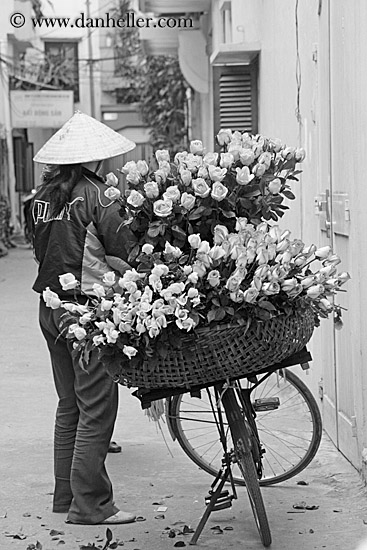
(170, 201)
(203, 252)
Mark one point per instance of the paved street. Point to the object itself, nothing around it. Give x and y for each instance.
(145, 475)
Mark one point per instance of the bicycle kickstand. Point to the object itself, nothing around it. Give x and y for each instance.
(216, 501)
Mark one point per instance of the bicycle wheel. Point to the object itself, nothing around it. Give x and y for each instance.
(244, 460)
(290, 434)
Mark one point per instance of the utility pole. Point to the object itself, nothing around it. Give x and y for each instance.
(91, 67)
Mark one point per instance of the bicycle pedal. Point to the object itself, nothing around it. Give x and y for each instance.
(220, 503)
(223, 494)
(266, 404)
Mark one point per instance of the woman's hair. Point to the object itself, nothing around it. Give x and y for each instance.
(60, 180)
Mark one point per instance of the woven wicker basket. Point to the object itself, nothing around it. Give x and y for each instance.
(225, 352)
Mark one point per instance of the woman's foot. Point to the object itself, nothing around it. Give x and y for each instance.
(119, 517)
(114, 447)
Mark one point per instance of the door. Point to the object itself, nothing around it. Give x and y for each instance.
(341, 364)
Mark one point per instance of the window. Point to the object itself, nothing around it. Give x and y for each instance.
(62, 66)
(235, 97)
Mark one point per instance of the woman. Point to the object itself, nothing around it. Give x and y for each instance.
(76, 226)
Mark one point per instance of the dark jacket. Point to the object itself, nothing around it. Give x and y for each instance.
(78, 240)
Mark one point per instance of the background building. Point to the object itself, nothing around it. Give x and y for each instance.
(295, 70)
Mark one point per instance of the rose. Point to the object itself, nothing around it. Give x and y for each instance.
(133, 177)
(187, 201)
(243, 176)
(226, 160)
(219, 191)
(315, 291)
(163, 208)
(201, 188)
(51, 298)
(79, 332)
(300, 154)
(185, 324)
(288, 153)
(142, 167)
(237, 296)
(174, 250)
(196, 147)
(109, 278)
(247, 157)
(217, 252)
(220, 234)
(289, 284)
(216, 173)
(202, 172)
(241, 224)
(185, 176)
(106, 305)
(172, 193)
(130, 351)
(211, 158)
(265, 159)
(198, 268)
(98, 340)
(162, 154)
(259, 170)
(250, 295)
(213, 277)
(275, 186)
(68, 281)
(130, 165)
(275, 145)
(193, 162)
(194, 240)
(160, 176)
(323, 252)
(135, 198)
(160, 269)
(180, 157)
(112, 193)
(224, 137)
(98, 290)
(233, 283)
(111, 179)
(270, 289)
(147, 248)
(235, 149)
(151, 189)
(165, 166)
(194, 277)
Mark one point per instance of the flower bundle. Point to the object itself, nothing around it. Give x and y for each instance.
(252, 274)
(169, 201)
(204, 249)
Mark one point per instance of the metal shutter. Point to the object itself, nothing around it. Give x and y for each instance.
(235, 98)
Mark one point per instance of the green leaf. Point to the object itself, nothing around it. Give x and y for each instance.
(197, 213)
(264, 304)
(211, 316)
(179, 233)
(133, 254)
(288, 194)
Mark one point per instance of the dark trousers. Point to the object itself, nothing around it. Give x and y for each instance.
(85, 418)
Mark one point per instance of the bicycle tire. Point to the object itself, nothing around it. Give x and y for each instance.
(179, 420)
(243, 455)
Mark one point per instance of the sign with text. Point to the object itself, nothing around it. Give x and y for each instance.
(41, 109)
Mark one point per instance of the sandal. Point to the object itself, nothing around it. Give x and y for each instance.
(114, 447)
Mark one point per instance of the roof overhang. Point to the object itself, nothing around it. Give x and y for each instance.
(241, 53)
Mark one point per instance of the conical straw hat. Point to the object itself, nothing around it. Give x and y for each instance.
(83, 139)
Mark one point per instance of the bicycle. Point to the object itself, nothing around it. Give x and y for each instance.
(289, 442)
(233, 414)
